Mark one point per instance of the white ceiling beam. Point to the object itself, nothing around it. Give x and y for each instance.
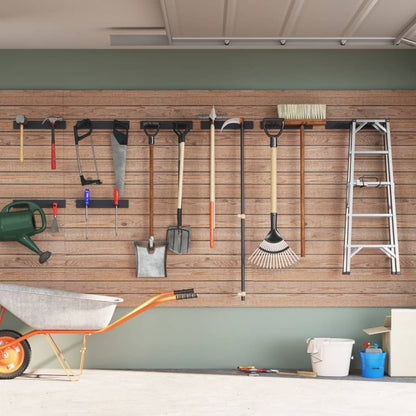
(166, 20)
(230, 10)
(407, 29)
(291, 17)
(359, 16)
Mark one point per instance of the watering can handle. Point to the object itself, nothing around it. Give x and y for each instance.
(32, 208)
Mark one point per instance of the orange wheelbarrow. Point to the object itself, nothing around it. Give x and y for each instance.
(52, 312)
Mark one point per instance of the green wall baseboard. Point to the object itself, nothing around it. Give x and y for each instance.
(211, 338)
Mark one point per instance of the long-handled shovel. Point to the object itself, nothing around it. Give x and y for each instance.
(273, 252)
(179, 236)
(151, 256)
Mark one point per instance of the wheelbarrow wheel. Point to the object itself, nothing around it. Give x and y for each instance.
(14, 360)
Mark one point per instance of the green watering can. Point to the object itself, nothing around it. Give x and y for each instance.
(20, 225)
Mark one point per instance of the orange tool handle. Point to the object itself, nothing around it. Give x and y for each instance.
(55, 209)
(116, 196)
(211, 223)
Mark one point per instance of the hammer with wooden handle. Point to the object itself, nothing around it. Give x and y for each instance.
(22, 121)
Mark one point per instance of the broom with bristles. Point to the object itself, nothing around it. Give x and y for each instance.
(273, 252)
(301, 115)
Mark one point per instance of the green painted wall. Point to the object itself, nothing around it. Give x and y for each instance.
(210, 337)
(208, 69)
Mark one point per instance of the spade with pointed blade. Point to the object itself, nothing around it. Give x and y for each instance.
(179, 236)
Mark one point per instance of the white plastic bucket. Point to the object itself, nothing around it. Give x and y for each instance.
(330, 356)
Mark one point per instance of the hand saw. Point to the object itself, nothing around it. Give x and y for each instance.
(85, 124)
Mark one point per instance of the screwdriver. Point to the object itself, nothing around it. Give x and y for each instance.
(116, 197)
(87, 203)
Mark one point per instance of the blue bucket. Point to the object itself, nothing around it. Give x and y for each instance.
(372, 364)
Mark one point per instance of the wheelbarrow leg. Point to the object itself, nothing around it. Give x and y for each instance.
(63, 361)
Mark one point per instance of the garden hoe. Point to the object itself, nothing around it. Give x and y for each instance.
(179, 236)
(242, 215)
(151, 256)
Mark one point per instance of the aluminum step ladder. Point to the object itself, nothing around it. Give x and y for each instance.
(391, 249)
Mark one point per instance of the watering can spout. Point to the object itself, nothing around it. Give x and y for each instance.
(26, 241)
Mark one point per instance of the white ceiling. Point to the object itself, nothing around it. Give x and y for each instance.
(112, 24)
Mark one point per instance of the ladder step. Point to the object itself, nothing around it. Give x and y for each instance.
(371, 152)
(371, 184)
(372, 246)
(371, 215)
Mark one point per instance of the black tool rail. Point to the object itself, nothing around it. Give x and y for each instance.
(206, 124)
(45, 203)
(40, 125)
(102, 203)
(168, 124)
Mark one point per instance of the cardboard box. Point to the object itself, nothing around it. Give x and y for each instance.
(399, 341)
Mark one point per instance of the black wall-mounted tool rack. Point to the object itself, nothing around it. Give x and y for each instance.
(45, 203)
(290, 127)
(169, 125)
(39, 125)
(107, 124)
(343, 125)
(206, 124)
(102, 203)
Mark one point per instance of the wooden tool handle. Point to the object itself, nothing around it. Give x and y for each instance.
(302, 190)
(21, 142)
(212, 187)
(151, 181)
(181, 163)
(273, 180)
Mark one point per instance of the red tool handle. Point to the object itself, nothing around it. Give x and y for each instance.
(53, 156)
(55, 209)
(116, 196)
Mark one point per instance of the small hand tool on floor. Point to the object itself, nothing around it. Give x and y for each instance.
(256, 371)
(21, 120)
(87, 203)
(116, 198)
(52, 121)
(55, 225)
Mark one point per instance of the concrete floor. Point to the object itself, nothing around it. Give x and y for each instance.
(125, 393)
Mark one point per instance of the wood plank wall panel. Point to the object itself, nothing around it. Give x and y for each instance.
(105, 264)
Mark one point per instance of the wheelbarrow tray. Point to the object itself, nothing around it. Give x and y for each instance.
(49, 309)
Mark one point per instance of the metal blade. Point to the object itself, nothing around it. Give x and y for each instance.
(119, 161)
(212, 114)
(55, 226)
(235, 120)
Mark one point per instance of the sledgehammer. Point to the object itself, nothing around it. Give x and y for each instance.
(22, 121)
(52, 121)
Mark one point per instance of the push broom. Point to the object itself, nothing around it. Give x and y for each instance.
(301, 115)
(273, 252)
